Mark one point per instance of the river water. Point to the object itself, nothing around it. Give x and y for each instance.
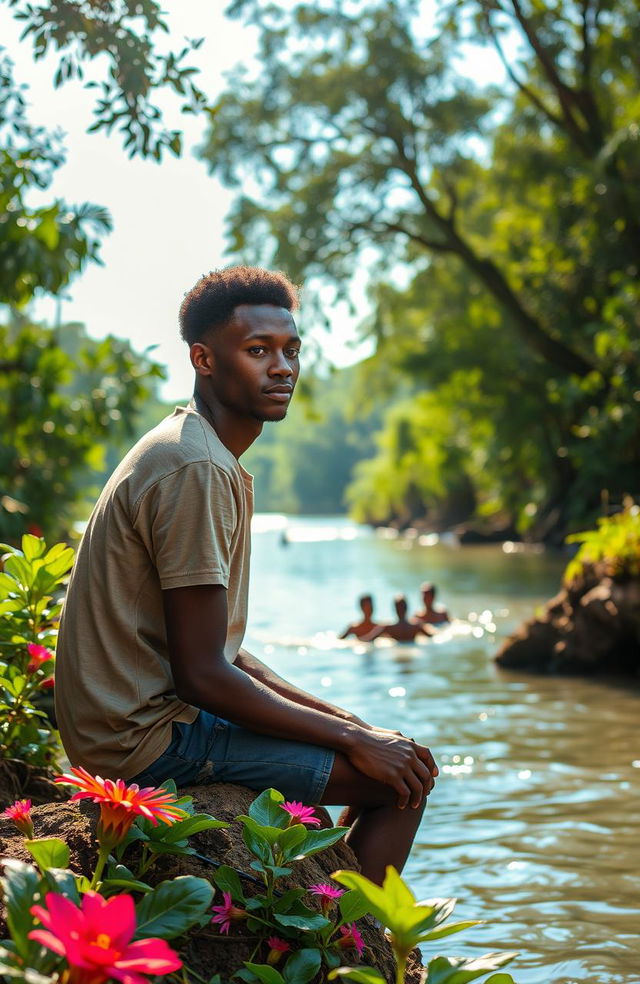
(534, 824)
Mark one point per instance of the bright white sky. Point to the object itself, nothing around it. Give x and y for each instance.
(168, 219)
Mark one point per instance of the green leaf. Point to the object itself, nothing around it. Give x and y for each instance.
(21, 887)
(265, 973)
(62, 881)
(500, 979)
(48, 852)
(270, 835)
(189, 826)
(461, 970)
(228, 880)
(373, 894)
(352, 906)
(112, 886)
(302, 966)
(440, 932)
(310, 923)
(257, 845)
(319, 840)
(32, 546)
(172, 907)
(266, 809)
(288, 899)
(361, 975)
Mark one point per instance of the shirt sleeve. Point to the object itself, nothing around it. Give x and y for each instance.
(188, 522)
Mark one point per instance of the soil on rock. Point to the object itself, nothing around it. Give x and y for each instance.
(591, 627)
(206, 951)
(18, 780)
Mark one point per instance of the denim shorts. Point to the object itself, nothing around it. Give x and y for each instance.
(214, 750)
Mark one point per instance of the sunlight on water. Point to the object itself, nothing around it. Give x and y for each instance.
(534, 822)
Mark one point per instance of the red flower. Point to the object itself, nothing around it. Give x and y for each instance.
(328, 895)
(39, 655)
(120, 804)
(21, 817)
(48, 683)
(350, 939)
(227, 913)
(300, 814)
(276, 948)
(96, 940)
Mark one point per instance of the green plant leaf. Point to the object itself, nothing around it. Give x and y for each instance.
(265, 973)
(373, 894)
(302, 966)
(257, 845)
(172, 907)
(352, 906)
(319, 840)
(49, 852)
(361, 975)
(228, 880)
(461, 970)
(266, 809)
(291, 840)
(185, 828)
(62, 881)
(21, 886)
(270, 835)
(32, 546)
(288, 899)
(440, 932)
(113, 886)
(500, 979)
(310, 923)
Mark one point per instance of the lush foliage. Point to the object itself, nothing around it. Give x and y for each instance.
(510, 214)
(614, 546)
(29, 611)
(63, 398)
(94, 929)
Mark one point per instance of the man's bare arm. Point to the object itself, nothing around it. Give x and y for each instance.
(196, 623)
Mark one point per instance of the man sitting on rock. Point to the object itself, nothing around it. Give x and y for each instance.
(151, 680)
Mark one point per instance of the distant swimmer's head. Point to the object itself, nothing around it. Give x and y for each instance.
(366, 605)
(212, 301)
(400, 605)
(428, 591)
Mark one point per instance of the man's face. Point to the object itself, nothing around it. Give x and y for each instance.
(255, 362)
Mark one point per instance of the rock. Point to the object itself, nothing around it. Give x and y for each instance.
(206, 951)
(591, 627)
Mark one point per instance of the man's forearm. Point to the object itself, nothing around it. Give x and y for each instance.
(260, 671)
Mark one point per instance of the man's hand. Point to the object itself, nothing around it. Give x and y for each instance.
(398, 762)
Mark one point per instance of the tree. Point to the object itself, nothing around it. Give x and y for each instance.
(359, 143)
(63, 397)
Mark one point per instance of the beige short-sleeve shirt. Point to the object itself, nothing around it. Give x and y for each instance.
(176, 512)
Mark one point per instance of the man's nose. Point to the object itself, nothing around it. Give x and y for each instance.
(280, 366)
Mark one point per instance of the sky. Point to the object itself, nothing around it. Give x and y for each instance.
(168, 219)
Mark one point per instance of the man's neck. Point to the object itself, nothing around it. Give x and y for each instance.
(236, 435)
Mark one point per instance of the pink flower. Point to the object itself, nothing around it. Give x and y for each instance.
(350, 938)
(276, 948)
(120, 804)
(328, 895)
(227, 913)
(300, 814)
(39, 655)
(95, 940)
(47, 684)
(21, 817)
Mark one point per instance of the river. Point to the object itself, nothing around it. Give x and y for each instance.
(534, 824)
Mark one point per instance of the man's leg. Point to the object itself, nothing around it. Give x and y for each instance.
(381, 833)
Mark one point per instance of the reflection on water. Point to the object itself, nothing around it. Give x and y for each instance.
(534, 822)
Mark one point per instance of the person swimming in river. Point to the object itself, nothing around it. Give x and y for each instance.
(404, 630)
(367, 625)
(429, 615)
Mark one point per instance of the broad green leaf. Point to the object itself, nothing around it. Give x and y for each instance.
(48, 852)
(113, 886)
(302, 966)
(228, 880)
(500, 979)
(266, 809)
(374, 894)
(291, 840)
(32, 546)
(20, 568)
(191, 825)
(265, 973)
(319, 840)
(361, 975)
(288, 899)
(62, 881)
(172, 907)
(8, 584)
(262, 831)
(257, 845)
(440, 932)
(461, 970)
(312, 922)
(352, 906)
(21, 886)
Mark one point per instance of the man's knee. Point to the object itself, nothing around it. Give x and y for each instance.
(349, 787)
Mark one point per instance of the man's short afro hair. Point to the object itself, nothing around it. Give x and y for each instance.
(212, 301)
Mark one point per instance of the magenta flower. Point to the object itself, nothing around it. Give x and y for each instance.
(298, 813)
(39, 655)
(227, 913)
(95, 940)
(350, 938)
(276, 948)
(21, 817)
(328, 895)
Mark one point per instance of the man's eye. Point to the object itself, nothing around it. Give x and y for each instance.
(292, 353)
(257, 349)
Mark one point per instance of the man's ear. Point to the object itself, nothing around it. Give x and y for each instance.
(201, 358)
